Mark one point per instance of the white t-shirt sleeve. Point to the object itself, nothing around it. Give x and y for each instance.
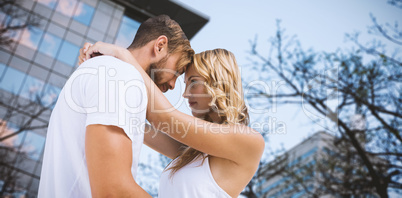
(115, 95)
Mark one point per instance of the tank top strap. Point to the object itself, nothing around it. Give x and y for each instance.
(207, 169)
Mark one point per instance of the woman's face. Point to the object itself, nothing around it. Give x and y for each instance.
(196, 93)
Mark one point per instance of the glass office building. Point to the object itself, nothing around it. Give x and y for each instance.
(35, 66)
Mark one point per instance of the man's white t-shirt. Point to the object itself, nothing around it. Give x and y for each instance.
(103, 90)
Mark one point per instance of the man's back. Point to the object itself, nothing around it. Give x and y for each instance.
(106, 91)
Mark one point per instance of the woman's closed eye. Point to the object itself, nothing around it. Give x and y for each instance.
(192, 81)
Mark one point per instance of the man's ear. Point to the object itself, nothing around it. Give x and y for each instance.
(161, 44)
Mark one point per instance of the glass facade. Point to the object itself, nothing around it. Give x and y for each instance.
(34, 68)
(127, 30)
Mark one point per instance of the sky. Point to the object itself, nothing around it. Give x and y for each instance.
(318, 24)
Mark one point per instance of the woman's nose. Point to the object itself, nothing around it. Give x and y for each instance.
(186, 94)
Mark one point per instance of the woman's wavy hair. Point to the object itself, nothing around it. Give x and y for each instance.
(222, 78)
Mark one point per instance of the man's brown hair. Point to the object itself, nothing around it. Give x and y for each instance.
(160, 25)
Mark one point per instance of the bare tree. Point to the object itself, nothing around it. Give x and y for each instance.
(16, 18)
(334, 88)
(340, 171)
(332, 169)
(10, 156)
(25, 114)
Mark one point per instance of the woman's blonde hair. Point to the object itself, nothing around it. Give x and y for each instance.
(222, 78)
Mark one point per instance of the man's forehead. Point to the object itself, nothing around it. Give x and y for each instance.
(181, 71)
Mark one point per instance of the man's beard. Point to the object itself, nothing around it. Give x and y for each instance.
(155, 70)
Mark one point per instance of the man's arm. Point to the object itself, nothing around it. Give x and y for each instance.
(109, 157)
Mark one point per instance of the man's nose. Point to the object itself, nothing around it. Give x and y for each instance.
(172, 83)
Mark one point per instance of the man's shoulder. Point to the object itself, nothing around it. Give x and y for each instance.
(112, 65)
(104, 60)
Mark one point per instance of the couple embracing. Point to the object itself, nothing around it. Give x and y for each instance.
(98, 124)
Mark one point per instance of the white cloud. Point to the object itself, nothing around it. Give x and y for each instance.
(26, 39)
(79, 10)
(51, 45)
(66, 7)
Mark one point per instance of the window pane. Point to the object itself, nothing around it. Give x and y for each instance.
(32, 88)
(68, 53)
(66, 7)
(48, 3)
(84, 13)
(50, 44)
(33, 145)
(31, 37)
(7, 128)
(127, 31)
(2, 17)
(2, 70)
(51, 94)
(12, 80)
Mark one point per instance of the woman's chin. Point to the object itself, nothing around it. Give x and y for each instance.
(199, 114)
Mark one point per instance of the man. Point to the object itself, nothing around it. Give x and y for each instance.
(96, 129)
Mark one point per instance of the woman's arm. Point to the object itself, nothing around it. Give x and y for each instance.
(161, 142)
(100, 48)
(237, 143)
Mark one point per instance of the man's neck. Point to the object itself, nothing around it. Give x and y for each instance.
(141, 57)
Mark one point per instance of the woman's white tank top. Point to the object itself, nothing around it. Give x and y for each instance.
(192, 181)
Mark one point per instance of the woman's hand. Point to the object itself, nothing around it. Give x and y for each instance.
(101, 48)
(83, 50)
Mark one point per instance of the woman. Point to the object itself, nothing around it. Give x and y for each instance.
(223, 155)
